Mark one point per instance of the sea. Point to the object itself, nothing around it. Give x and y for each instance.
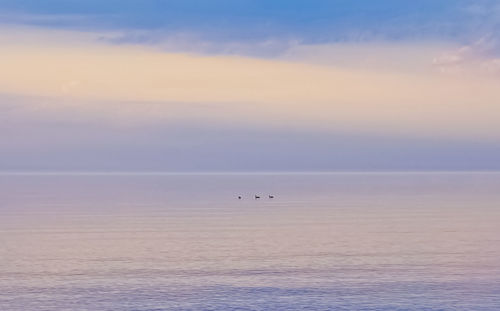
(186, 241)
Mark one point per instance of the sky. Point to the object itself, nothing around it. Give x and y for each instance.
(338, 85)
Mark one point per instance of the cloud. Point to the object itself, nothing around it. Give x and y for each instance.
(190, 42)
(481, 57)
(138, 85)
(259, 28)
(402, 57)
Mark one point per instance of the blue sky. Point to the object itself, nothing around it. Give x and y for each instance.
(249, 85)
(308, 21)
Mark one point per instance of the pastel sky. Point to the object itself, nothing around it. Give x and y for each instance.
(220, 85)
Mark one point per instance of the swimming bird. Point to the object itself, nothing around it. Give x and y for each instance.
(257, 197)
(239, 197)
(271, 196)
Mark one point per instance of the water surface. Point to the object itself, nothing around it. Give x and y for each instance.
(374, 241)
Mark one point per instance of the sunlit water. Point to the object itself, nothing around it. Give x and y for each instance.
(427, 241)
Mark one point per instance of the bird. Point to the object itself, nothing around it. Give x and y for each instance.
(271, 196)
(257, 197)
(239, 197)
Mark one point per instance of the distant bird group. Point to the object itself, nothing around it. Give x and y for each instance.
(256, 197)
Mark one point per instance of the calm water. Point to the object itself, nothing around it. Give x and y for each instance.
(185, 242)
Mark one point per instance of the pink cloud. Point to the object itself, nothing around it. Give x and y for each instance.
(482, 56)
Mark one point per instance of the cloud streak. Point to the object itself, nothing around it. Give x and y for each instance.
(140, 85)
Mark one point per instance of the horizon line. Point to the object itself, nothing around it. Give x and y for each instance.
(152, 173)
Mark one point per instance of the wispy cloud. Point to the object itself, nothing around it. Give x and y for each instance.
(480, 57)
(136, 85)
